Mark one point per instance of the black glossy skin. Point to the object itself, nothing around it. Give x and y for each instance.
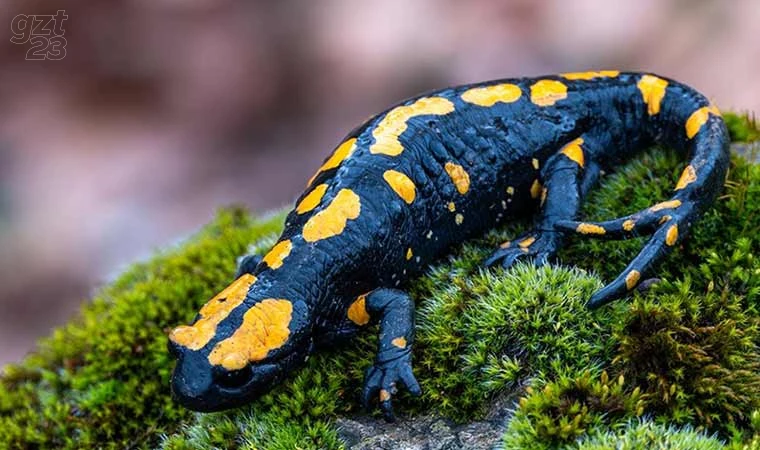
(496, 145)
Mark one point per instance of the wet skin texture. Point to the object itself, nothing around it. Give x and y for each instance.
(425, 175)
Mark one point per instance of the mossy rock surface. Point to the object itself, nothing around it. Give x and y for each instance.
(513, 356)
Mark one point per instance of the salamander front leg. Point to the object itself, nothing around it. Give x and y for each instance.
(566, 182)
(393, 363)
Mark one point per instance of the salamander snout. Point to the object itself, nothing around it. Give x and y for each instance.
(199, 386)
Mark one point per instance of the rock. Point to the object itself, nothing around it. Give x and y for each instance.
(428, 432)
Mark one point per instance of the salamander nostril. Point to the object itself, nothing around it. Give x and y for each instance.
(235, 378)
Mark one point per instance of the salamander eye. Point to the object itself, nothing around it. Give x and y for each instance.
(235, 378)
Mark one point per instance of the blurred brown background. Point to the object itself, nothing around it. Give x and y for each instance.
(164, 110)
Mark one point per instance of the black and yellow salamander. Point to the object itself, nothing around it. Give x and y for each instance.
(423, 176)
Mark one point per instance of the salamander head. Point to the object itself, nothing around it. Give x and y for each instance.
(238, 348)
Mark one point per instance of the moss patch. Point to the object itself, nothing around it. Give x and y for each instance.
(102, 380)
(742, 127)
(687, 350)
(647, 435)
(571, 407)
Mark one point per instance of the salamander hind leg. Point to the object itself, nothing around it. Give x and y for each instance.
(667, 222)
(566, 178)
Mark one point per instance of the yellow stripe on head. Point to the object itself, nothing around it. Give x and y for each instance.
(196, 336)
(265, 328)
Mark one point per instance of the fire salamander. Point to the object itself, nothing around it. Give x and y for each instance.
(427, 174)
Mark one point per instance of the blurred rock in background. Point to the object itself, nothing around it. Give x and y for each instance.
(163, 110)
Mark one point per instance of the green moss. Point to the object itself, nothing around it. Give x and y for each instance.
(747, 438)
(102, 380)
(647, 435)
(570, 407)
(742, 127)
(483, 332)
(694, 356)
(688, 349)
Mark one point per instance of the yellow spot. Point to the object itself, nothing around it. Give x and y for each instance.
(505, 244)
(196, 336)
(387, 132)
(459, 219)
(510, 190)
(535, 189)
(590, 75)
(278, 253)
(343, 151)
(664, 219)
(312, 199)
(459, 176)
(652, 92)
(590, 228)
(628, 225)
(688, 176)
(384, 395)
(535, 163)
(264, 328)
(452, 207)
(525, 243)
(671, 236)
(547, 92)
(666, 205)
(632, 279)
(409, 253)
(574, 151)
(544, 193)
(331, 221)
(399, 342)
(401, 184)
(699, 118)
(489, 95)
(357, 312)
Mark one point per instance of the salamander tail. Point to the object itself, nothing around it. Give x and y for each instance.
(688, 122)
